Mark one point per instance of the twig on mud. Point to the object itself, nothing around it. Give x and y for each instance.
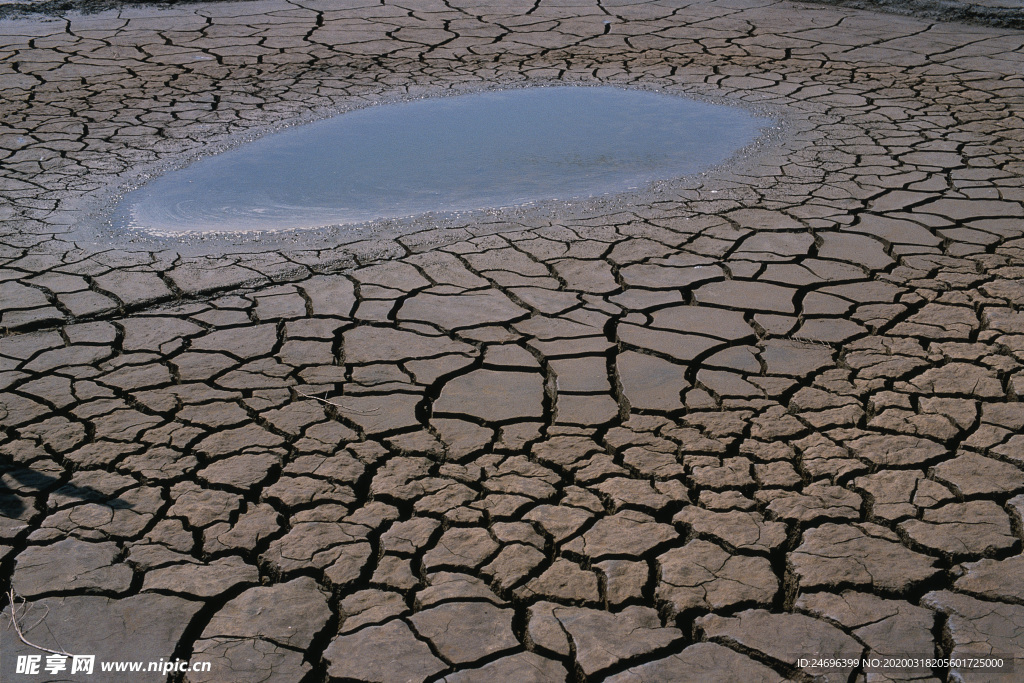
(808, 340)
(17, 626)
(338, 405)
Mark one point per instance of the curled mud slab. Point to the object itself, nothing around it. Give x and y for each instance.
(764, 414)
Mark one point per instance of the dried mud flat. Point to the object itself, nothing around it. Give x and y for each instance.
(767, 416)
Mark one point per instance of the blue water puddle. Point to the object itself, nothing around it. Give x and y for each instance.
(484, 150)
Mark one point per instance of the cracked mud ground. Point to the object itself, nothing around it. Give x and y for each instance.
(773, 414)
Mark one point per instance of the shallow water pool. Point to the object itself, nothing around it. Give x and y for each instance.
(484, 150)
